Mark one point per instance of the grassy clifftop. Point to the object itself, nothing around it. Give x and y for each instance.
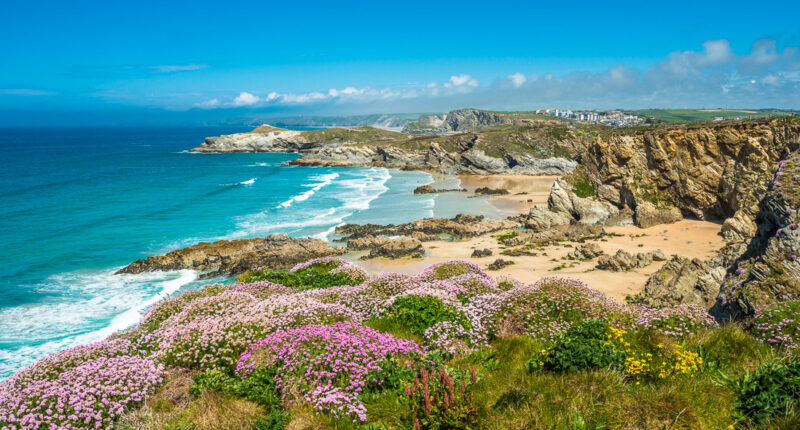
(326, 346)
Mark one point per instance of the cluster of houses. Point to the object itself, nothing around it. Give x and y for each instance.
(612, 118)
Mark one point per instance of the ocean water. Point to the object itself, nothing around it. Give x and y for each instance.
(76, 204)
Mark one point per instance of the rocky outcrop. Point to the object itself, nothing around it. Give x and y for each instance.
(427, 189)
(491, 191)
(623, 260)
(565, 204)
(586, 251)
(648, 215)
(541, 218)
(479, 253)
(397, 248)
(499, 264)
(569, 232)
(460, 227)
(263, 139)
(470, 119)
(232, 257)
(683, 280)
(366, 242)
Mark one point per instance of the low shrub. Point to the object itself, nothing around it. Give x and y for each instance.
(778, 325)
(771, 391)
(258, 387)
(583, 346)
(419, 313)
(275, 420)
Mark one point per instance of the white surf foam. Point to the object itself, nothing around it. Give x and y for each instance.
(250, 181)
(104, 302)
(322, 181)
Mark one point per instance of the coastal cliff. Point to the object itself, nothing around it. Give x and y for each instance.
(521, 150)
(705, 171)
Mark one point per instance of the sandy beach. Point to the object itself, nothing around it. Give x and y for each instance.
(688, 238)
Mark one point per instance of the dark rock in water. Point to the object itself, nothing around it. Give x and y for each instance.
(491, 191)
(478, 253)
(398, 248)
(427, 189)
(499, 264)
(232, 257)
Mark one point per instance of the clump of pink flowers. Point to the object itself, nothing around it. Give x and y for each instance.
(327, 365)
(778, 324)
(84, 387)
(678, 321)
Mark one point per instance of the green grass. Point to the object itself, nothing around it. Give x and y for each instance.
(703, 115)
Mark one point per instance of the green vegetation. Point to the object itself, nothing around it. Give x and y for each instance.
(312, 277)
(705, 115)
(419, 313)
(772, 391)
(582, 346)
(353, 135)
(507, 236)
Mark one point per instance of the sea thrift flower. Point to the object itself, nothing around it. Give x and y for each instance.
(327, 364)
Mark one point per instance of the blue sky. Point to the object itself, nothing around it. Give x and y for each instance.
(219, 61)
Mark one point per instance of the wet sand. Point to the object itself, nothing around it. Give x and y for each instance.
(688, 238)
(524, 191)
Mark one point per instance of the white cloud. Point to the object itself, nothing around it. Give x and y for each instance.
(245, 99)
(715, 52)
(517, 79)
(460, 81)
(711, 76)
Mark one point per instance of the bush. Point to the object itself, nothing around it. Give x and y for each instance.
(259, 387)
(437, 401)
(582, 346)
(778, 325)
(275, 420)
(307, 279)
(769, 392)
(419, 313)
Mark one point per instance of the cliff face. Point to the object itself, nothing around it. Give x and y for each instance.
(710, 172)
(262, 139)
(470, 119)
(769, 271)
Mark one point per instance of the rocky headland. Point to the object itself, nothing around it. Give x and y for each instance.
(233, 257)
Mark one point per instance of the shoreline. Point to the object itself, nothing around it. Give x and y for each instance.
(688, 238)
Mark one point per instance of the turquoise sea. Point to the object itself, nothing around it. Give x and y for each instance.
(78, 203)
